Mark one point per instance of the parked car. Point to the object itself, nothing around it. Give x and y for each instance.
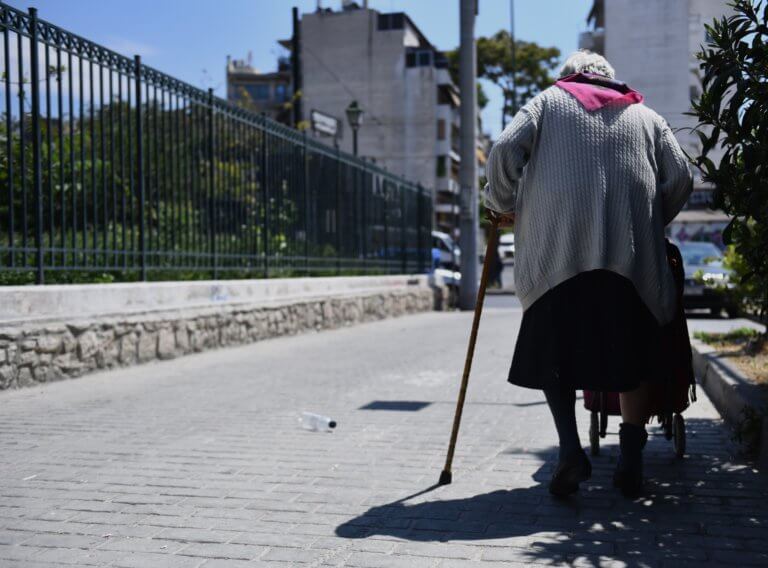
(446, 253)
(507, 247)
(707, 281)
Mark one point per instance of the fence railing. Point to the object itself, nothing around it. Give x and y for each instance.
(108, 166)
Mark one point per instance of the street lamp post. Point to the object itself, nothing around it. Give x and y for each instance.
(355, 119)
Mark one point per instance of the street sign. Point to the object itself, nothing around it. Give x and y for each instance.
(325, 123)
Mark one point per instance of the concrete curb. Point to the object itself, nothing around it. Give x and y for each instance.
(730, 392)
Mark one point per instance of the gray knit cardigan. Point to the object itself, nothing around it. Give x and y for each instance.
(590, 190)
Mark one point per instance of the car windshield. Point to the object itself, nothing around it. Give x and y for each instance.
(701, 254)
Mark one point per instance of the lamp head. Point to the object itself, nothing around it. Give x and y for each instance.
(354, 115)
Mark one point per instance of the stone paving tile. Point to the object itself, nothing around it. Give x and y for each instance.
(200, 463)
(214, 550)
(145, 560)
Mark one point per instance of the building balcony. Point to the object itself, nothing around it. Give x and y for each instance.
(447, 185)
(447, 208)
(443, 147)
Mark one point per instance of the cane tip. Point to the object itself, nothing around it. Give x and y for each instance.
(445, 478)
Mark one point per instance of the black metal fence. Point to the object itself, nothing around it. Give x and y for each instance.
(109, 167)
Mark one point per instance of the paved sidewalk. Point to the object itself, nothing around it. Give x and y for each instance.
(200, 462)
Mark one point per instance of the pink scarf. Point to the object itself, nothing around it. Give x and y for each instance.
(589, 91)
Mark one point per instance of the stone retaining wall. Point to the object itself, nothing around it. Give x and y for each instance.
(41, 352)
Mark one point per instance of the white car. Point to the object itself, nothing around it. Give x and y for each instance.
(445, 247)
(507, 247)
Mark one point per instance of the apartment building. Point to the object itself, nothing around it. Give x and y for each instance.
(399, 79)
(653, 45)
(260, 92)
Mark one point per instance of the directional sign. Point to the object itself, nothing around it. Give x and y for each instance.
(325, 123)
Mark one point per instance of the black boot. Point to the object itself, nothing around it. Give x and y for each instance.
(629, 470)
(569, 473)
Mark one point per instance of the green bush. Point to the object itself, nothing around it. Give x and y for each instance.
(732, 114)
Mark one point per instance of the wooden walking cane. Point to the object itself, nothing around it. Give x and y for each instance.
(446, 476)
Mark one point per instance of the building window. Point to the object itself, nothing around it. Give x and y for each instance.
(257, 92)
(418, 58)
(441, 129)
(281, 92)
(391, 21)
(441, 169)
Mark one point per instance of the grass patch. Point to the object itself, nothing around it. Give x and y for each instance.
(747, 348)
(739, 335)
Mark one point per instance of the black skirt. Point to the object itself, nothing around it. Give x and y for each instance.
(592, 332)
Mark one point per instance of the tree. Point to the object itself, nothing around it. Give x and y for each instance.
(733, 114)
(520, 77)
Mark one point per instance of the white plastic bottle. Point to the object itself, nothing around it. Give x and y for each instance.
(316, 422)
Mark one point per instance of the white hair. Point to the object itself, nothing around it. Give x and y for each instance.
(585, 61)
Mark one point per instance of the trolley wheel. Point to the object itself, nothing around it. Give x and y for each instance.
(594, 434)
(678, 428)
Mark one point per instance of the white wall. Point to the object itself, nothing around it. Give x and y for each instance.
(652, 44)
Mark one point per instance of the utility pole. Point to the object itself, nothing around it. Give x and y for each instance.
(468, 211)
(513, 46)
(296, 66)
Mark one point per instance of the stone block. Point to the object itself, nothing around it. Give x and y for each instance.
(48, 343)
(25, 377)
(327, 313)
(68, 343)
(68, 364)
(128, 346)
(7, 376)
(87, 345)
(45, 373)
(109, 349)
(147, 348)
(166, 343)
(10, 333)
(28, 358)
(79, 327)
(182, 338)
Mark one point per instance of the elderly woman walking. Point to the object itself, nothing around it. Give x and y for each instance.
(591, 177)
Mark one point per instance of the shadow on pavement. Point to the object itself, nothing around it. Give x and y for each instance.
(684, 500)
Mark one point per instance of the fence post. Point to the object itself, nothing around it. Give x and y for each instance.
(265, 193)
(306, 203)
(403, 239)
(37, 183)
(211, 185)
(385, 196)
(337, 216)
(363, 220)
(420, 228)
(140, 171)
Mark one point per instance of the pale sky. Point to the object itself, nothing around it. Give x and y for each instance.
(190, 39)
